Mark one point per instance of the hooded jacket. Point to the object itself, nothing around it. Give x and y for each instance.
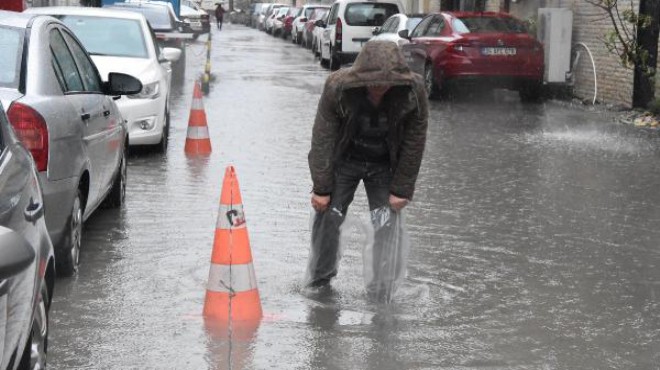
(406, 105)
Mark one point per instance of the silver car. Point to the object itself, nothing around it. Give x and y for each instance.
(66, 116)
(27, 267)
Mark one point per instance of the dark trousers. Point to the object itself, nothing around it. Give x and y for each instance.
(218, 22)
(325, 230)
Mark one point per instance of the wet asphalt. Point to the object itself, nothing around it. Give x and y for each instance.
(534, 239)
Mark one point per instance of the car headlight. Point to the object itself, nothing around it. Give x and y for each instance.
(149, 91)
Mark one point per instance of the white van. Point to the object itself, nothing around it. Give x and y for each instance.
(350, 24)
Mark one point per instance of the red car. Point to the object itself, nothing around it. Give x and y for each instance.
(288, 21)
(484, 48)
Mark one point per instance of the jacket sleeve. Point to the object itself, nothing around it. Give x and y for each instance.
(411, 148)
(324, 138)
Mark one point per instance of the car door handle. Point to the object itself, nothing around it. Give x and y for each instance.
(85, 116)
(106, 113)
(34, 211)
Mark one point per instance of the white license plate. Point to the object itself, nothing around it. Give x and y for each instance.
(498, 51)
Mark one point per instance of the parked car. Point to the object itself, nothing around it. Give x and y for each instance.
(395, 24)
(27, 265)
(169, 30)
(196, 18)
(317, 34)
(278, 20)
(287, 22)
(486, 48)
(266, 12)
(298, 25)
(310, 25)
(255, 11)
(121, 41)
(350, 25)
(66, 116)
(270, 19)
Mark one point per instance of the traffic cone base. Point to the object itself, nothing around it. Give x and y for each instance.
(218, 306)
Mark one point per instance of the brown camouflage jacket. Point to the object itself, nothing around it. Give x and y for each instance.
(406, 104)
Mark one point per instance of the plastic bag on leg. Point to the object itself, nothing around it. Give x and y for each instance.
(325, 252)
(385, 255)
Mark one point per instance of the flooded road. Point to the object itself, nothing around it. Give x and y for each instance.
(534, 239)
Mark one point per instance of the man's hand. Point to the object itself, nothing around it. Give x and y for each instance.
(397, 203)
(320, 202)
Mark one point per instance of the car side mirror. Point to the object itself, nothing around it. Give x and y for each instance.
(375, 31)
(404, 34)
(122, 84)
(15, 253)
(320, 23)
(170, 55)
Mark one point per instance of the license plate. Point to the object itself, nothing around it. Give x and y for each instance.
(498, 51)
(196, 24)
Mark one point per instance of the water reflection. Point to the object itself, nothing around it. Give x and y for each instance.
(230, 346)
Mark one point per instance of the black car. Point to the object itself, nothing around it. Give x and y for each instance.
(169, 31)
(27, 266)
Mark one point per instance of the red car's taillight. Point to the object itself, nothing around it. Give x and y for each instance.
(31, 129)
(458, 46)
(338, 29)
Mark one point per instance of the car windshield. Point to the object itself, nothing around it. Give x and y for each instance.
(411, 23)
(487, 25)
(10, 56)
(309, 12)
(320, 14)
(108, 36)
(158, 17)
(369, 14)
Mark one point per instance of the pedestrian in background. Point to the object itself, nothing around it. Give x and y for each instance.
(219, 15)
(370, 126)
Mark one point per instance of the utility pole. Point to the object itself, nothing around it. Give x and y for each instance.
(647, 38)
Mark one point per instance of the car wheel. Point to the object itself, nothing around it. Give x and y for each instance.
(429, 81)
(69, 256)
(36, 348)
(299, 38)
(333, 61)
(117, 194)
(162, 146)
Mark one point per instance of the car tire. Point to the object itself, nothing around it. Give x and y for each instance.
(299, 38)
(333, 62)
(68, 257)
(36, 349)
(117, 195)
(530, 92)
(430, 81)
(161, 147)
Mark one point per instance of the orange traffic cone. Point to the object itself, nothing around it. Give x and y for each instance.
(231, 293)
(197, 140)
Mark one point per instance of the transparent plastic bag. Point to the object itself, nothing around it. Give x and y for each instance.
(385, 247)
(385, 255)
(326, 248)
